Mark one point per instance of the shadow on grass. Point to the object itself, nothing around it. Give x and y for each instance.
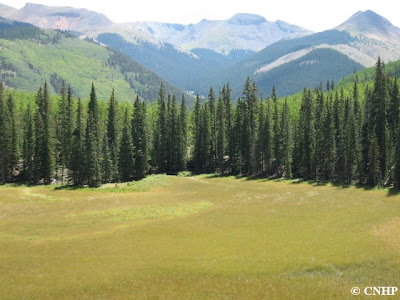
(69, 187)
(314, 183)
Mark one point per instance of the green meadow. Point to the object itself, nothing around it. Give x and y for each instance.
(200, 237)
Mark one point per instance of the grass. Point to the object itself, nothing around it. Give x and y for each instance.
(199, 237)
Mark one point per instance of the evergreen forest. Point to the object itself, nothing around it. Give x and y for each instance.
(331, 136)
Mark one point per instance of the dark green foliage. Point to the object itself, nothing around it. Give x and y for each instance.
(328, 136)
(139, 138)
(186, 71)
(111, 149)
(92, 143)
(126, 159)
(78, 150)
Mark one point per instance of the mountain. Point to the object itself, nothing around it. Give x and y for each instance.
(213, 52)
(58, 17)
(370, 24)
(362, 38)
(242, 31)
(5, 9)
(182, 68)
(29, 56)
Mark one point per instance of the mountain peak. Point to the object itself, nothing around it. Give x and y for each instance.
(368, 22)
(247, 19)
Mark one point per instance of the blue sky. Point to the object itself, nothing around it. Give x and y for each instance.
(315, 15)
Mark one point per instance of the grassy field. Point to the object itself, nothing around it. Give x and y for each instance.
(197, 238)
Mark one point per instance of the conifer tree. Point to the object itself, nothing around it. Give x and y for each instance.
(139, 138)
(286, 145)
(28, 146)
(43, 156)
(13, 139)
(328, 146)
(77, 151)
(307, 135)
(183, 131)
(373, 161)
(112, 136)
(197, 135)
(220, 136)
(4, 135)
(319, 136)
(277, 151)
(213, 129)
(379, 110)
(92, 144)
(338, 115)
(349, 142)
(126, 159)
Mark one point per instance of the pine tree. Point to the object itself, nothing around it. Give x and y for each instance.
(126, 160)
(92, 145)
(328, 146)
(267, 140)
(338, 112)
(213, 130)
(228, 114)
(250, 125)
(183, 130)
(349, 142)
(28, 146)
(307, 135)
(396, 175)
(77, 151)
(197, 135)
(107, 165)
(379, 110)
(112, 136)
(4, 135)
(220, 135)
(373, 161)
(161, 133)
(286, 145)
(139, 138)
(13, 139)
(319, 136)
(277, 152)
(43, 154)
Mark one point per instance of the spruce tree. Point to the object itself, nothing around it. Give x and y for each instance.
(139, 138)
(112, 136)
(28, 145)
(276, 129)
(183, 131)
(126, 160)
(379, 111)
(307, 135)
(77, 150)
(92, 144)
(4, 135)
(197, 135)
(286, 145)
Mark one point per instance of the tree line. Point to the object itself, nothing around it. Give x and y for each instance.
(330, 136)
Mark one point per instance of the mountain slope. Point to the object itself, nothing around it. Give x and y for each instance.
(182, 68)
(26, 62)
(242, 31)
(362, 38)
(370, 24)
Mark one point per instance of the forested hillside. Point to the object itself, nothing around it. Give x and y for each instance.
(29, 56)
(340, 135)
(183, 68)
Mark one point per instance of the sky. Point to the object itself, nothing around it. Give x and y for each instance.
(316, 15)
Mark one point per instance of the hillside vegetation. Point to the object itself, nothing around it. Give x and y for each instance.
(30, 56)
